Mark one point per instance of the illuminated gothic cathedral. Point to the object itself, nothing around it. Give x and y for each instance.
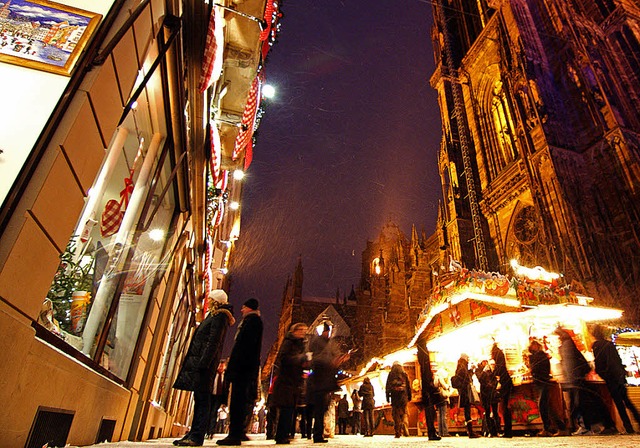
(539, 161)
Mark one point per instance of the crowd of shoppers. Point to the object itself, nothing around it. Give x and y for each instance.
(304, 386)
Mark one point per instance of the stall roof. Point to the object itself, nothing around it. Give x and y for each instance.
(628, 338)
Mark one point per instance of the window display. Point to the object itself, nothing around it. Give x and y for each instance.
(99, 295)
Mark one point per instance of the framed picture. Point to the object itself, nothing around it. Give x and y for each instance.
(44, 35)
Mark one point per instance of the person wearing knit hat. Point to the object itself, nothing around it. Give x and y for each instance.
(242, 372)
(251, 303)
(198, 369)
(219, 296)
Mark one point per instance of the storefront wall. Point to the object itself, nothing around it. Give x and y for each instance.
(36, 374)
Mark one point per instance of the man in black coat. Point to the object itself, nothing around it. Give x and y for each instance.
(242, 372)
(610, 368)
(198, 368)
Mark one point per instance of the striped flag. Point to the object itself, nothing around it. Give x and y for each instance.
(212, 58)
(244, 139)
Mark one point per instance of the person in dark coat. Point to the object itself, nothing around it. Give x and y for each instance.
(219, 396)
(610, 368)
(343, 415)
(489, 397)
(242, 372)
(506, 388)
(431, 396)
(398, 390)
(356, 417)
(326, 358)
(585, 405)
(199, 365)
(291, 361)
(368, 403)
(463, 383)
(541, 373)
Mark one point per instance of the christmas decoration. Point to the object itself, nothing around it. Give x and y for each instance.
(72, 276)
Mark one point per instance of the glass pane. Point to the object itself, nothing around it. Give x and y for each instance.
(99, 261)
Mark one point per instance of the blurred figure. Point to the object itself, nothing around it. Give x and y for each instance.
(343, 415)
(610, 368)
(441, 381)
(506, 388)
(356, 417)
(326, 357)
(398, 392)
(291, 361)
(368, 403)
(222, 416)
(219, 395)
(586, 405)
(541, 373)
(430, 395)
(462, 381)
(489, 397)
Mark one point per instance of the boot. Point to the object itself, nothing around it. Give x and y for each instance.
(472, 435)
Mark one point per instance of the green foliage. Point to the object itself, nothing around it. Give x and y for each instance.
(71, 276)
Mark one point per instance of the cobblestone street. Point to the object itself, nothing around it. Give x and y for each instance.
(618, 441)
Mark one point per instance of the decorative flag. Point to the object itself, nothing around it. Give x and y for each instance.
(244, 139)
(216, 153)
(212, 58)
(272, 16)
(223, 181)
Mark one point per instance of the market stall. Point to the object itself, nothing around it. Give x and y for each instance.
(470, 311)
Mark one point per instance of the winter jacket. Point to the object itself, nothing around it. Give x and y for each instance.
(290, 363)
(367, 394)
(430, 393)
(201, 361)
(323, 366)
(574, 365)
(488, 384)
(506, 384)
(608, 363)
(463, 372)
(244, 361)
(398, 388)
(540, 366)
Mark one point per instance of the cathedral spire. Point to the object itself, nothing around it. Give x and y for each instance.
(298, 278)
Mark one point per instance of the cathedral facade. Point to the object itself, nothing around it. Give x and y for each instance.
(540, 152)
(539, 162)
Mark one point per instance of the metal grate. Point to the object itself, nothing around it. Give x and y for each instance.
(106, 430)
(50, 427)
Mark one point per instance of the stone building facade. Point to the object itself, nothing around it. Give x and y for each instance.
(539, 161)
(539, 157)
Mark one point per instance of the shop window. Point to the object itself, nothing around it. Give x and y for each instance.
(99, 295)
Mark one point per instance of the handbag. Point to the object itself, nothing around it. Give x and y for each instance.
(474, 396)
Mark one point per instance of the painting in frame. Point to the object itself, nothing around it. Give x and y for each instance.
(44, 35)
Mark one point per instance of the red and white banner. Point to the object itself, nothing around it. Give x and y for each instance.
(244, 139)
(213, 49)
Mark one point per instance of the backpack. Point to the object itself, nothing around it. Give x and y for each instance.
(456, 382)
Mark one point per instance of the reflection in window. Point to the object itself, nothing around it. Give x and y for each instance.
(99, 295)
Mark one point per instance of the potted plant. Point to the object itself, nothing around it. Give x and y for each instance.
(71, 288)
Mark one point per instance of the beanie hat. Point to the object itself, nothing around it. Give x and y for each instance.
(251, 303)
(219, 296)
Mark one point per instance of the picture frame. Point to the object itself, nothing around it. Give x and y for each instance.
(44, 35)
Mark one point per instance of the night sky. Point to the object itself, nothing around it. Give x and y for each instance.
(349, 143)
